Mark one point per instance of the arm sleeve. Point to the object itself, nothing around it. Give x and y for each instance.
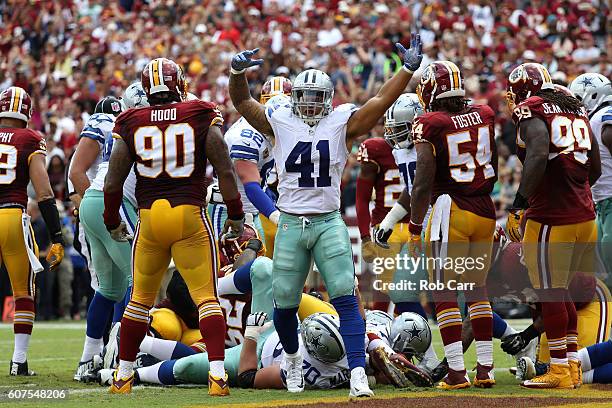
(259, 198)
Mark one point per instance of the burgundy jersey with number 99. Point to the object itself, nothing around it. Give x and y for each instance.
(466, 156)
(167, 142)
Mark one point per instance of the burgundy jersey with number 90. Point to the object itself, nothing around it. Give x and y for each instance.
(466, 156)
(167, 142)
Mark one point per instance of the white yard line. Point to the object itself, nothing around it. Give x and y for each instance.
(50, 326)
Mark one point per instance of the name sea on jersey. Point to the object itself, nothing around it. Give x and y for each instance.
(309, 160)
(167, 143)
(466, 156)
(17, 146)
(390, 179)
(563, 196)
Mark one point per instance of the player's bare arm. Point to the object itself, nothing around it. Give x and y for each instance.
(253, 111)
(423, 182)
(247, 171)
(536, 137)
(365, 183)
(84, 157)
(606, 137)
(48, 208)
(119, 167)
(367, 116)
(594, 161)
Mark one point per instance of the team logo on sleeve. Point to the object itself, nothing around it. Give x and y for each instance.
(42, 144)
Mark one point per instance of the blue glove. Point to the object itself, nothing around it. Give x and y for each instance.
(413, 55)
(242, 61)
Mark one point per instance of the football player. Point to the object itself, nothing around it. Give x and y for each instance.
(456, 170)
(310, 151)
(111, 259)
(22, 160)
(560, 162)
(595, 92)
(251, 153)
(169, 143)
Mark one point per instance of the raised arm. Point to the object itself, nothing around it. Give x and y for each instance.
(369, 114)
(253, 111)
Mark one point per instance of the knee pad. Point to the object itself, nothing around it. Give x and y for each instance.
(165, 324)
(261, 270)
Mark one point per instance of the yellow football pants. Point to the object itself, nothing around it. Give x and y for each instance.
(13, 252)
(269, 234)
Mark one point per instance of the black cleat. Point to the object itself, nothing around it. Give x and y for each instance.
(438, 373)
(20, 369)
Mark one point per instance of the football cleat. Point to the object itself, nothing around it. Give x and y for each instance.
(484, 376)
(217, 387)
(440, 371)
(295, 374)
(111, 350)
(105, 376)
(576, 372)
(525, 369)
(20, 369)
(121, 385)
(455, 380)
(145, 360)
(360, 387)
(528, 351)
(558, 376)
(86, 369)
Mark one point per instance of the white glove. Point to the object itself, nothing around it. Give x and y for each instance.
(274, 217)
(255, 325)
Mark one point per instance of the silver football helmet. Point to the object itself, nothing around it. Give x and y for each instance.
(134, 96)
(321, 337)
(399, 118)
(410, 334)
(312, 95)
(379, 323)
(592, 90)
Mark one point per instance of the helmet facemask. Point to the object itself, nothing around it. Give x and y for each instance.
(398, 134)
(312, 104)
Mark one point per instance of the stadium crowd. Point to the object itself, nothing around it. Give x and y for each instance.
(68, 54)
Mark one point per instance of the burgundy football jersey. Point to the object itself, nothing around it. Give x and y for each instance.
(388, 186)
(17, 146)
(236, 309)
(167, 143)
(466, 156)
(563, 196)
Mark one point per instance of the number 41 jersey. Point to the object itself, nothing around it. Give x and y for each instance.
(167, 143)
(466, 156)
(309, 160)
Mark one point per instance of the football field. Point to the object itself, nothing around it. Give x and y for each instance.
(56, 348)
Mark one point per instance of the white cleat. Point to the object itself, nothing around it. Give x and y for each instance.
(111, 351)
(359, 384)
(295, 374)
(87, 369)
(525, 369)
(105, 376)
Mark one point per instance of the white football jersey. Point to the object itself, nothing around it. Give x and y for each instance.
(603, 188)
(246, 143)
(309, 160)
(97, 183)
(317, 375)
(406, 162)
(96, 128)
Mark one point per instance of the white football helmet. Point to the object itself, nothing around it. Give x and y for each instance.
(312, 95)
(321, 337)
(410, 334)
(134, 96)
(592, 90)
(399, 118)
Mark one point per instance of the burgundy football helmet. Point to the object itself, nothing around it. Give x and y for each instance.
(164, 75)
(525, 81)
(232, 248)
(277, 85)
(15, 103)
(440, 79)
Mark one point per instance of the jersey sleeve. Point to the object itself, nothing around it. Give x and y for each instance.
(246, 145)
(425, 130)
(528, 109)
(606, 118)
(36, 145)
(370, 152)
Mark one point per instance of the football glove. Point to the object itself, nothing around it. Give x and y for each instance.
(243, 60)
(55, 255)
(255, 325)
(368, 250)
(413, 55)
(232, 229)
(381, 236)
(513, 343)
(120, 233)
(513, 225)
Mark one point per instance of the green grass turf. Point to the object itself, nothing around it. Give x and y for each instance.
(56, 348)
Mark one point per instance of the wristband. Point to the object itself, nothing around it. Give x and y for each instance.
(234, 208)
(236, 71)
(255, 244)
(408, 70)
(415, 229)
(520, 202)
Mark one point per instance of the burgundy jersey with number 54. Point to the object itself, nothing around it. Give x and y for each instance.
(167, 143)
(466, 156)
(564, 195)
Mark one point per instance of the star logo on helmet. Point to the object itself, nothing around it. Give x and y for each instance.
(414, 333)
(315, 341)
(415, 105)
(586, 81)
(140, 93)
